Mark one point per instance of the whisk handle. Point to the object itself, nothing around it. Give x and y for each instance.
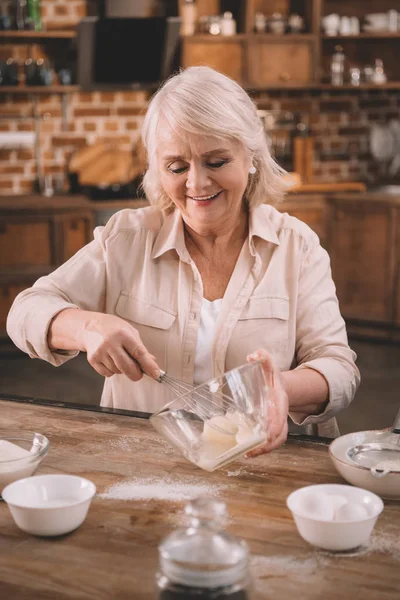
(159, 378)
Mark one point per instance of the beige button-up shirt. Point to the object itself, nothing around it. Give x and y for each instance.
(281, 297)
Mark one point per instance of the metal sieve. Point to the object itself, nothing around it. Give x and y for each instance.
(381, 458)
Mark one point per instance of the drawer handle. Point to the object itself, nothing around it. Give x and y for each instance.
(285, 76)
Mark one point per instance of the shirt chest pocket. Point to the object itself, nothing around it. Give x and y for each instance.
(264, 323)
(152, 322)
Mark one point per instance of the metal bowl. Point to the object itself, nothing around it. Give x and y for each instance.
(346, 453)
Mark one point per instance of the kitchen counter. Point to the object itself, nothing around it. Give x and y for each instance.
(113, 555)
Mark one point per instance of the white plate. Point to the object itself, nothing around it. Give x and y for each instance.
(382, 143)
(385, 487)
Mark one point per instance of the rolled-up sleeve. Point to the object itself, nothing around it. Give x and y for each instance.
(79, 283)
(321, 335)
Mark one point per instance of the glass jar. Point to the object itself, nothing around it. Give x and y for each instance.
(202, 562)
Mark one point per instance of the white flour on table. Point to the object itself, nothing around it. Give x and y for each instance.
(157, 488)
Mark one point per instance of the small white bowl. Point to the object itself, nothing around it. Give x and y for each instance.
(336, 535)
(49, 505)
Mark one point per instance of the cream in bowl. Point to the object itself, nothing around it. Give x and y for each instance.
(49, 505)
(220, 420)
(20, 455)
(333, 516)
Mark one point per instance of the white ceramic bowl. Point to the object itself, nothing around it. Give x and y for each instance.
(49, 505)
(386, 487)
(336, 535)
(35, 444)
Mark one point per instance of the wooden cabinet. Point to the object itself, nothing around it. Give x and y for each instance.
(311, 209)
(363, 236)
(36, 236)
(288, 59)
(225, 55)
(360, 231)
(265, 60)
(25, 243)
(361, 242)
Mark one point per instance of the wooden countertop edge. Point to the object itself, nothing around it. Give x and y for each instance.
(298, 437)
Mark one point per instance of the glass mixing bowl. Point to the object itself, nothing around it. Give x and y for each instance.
(31, 448)
(220, 420)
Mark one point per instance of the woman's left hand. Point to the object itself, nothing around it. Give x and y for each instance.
(278, 405)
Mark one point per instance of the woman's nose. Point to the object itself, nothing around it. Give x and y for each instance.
(197, 179)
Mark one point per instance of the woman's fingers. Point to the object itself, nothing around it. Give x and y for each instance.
(267, 363)
(114, 346)
(142, 356)
(277, 404)
(126, 364)
(102, 369)
(270, 444)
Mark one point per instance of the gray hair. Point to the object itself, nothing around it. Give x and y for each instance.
(202, 101)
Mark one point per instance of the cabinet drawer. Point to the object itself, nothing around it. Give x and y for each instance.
(224, 56)
(279, 62)
(24, 244)
(75, 235)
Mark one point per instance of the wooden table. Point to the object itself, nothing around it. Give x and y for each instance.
(113, 555)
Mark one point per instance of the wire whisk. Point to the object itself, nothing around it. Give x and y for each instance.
(205, 403)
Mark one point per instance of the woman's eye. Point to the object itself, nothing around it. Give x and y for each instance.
(177, 170)
(217, 165)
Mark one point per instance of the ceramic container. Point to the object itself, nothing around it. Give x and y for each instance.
(320, 527)
(49, 505)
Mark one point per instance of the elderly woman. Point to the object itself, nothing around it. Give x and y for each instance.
(207, 277)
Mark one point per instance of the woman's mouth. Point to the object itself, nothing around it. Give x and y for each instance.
(205, 199)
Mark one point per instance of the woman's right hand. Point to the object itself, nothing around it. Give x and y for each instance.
(113, 346)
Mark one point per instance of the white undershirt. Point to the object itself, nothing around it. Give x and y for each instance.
(202, 361)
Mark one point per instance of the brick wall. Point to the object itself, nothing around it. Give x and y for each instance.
(339, 120)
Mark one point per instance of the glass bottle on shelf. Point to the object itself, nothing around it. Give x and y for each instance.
(20, 14)
(34, 14)
(379, 75)
(189, 17)
(202, 562)
(337, 66)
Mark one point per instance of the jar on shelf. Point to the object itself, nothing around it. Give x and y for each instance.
(189, 17)
(201, 562)
(337, 66)
(260, 22)
(228, 24)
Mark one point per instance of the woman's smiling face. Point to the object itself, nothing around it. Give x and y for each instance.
(205, 178)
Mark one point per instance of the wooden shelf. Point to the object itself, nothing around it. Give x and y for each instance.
(55, 34)
(207, 37)
(39, 89)
(390, 85)
(364, 36)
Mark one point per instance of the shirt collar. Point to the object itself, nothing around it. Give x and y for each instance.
(261, 225)
(171, 235)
